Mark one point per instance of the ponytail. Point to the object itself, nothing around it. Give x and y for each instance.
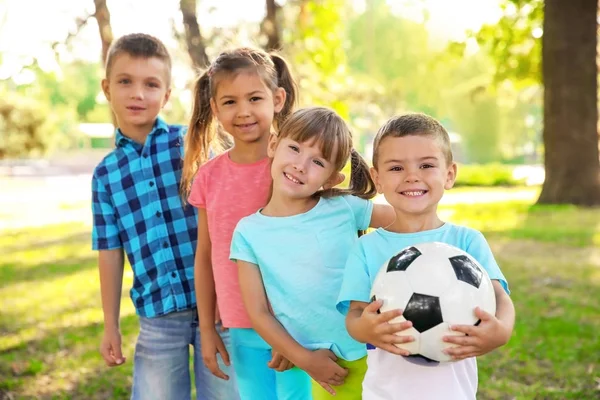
(361, 184)
(199, 136)
(286, 81)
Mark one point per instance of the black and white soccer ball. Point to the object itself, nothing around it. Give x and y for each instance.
(436, 285)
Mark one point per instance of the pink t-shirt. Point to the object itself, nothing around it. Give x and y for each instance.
(229, 192)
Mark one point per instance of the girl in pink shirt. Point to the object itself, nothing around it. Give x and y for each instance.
(247, 92)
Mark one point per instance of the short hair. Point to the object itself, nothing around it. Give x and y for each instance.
(138, 45)
(413, 124)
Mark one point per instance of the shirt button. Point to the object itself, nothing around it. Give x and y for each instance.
(151, 183)
(145, 155)
(173, 274)
(158, 214)
(165, 245)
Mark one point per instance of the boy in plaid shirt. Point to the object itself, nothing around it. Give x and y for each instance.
(137, 211)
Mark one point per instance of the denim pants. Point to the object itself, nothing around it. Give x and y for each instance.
(256, 381)
(161, 367)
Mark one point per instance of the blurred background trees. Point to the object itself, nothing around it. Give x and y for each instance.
(368, 60)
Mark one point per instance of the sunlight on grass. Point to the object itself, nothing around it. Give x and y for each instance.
(51, 319)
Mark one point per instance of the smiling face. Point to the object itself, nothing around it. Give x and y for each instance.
(137, 89)
(412, 173)
(299, 170)
(245, 106)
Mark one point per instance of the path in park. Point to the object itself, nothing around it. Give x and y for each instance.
(58, 191)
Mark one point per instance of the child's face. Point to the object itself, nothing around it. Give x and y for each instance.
(137, 90)
(245, 106)
(412, 173)
(299, 170)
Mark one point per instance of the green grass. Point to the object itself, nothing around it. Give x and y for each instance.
(51, 319)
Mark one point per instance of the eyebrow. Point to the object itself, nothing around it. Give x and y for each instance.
(227, 96)
(128, 75)
(420, 159)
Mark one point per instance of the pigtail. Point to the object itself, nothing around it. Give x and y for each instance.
(361, 183)
(199, 136)
(287, 82)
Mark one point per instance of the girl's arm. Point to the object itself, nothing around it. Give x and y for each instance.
(206, 298)
(318, 364)
(383, 215)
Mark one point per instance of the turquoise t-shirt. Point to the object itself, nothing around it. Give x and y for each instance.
(301, 259)
(374, 249)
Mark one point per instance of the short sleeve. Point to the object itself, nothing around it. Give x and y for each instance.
(362, 210)
(356, 284)
(105, 231)
(241, 249)
(480, 250)
(197, 196)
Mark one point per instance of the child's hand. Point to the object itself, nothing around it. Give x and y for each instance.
(490, 334)
(279, 362)
(324, 369)
(211, 344)
(378, 331)
(110, 348)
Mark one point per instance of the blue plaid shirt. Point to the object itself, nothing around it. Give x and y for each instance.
(136, 206)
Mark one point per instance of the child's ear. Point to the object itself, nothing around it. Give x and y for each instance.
(106, 88)
(451, 177)
(167, 97)
(279, 97)
(272, 146)
(375, 177)
(335, 180)
(213, 107)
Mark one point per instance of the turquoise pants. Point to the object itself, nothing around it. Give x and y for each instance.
(250, 355)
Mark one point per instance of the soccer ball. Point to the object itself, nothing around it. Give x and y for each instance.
(436, 285)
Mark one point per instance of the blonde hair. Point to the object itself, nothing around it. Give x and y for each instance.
(335, 140)
(414, 124)
(200, 138)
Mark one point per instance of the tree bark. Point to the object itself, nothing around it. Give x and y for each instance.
(103, 18)
(193, 38)
(270, 26)
(569, 72)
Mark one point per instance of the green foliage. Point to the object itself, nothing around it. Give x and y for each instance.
(27, 127)
(512, 42)
(487, 175)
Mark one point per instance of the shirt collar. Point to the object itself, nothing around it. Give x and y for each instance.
(159, 126)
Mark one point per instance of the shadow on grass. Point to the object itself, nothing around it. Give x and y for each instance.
(13, 273)
(65, 363)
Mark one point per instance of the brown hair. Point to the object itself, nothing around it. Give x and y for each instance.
(200, 138)
(138, 45)
(335, 139)
(414, 124)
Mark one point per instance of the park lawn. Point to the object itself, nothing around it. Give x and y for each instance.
(51, 320)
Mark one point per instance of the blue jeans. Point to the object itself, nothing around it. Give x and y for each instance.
(161, 368)
(256, 381)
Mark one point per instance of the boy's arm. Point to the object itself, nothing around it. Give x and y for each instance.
(366, 325)
(494, 330)
(111, 264)
(324, 371)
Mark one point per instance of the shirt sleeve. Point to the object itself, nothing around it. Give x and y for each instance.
(480, 250)
(362, 210)
(197, 196)
(241, 249)
(356, 284)
(105, 230)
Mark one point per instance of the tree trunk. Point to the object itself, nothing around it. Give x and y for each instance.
(193, 38)
(569, 72)
(103, 18)
(270, 26)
